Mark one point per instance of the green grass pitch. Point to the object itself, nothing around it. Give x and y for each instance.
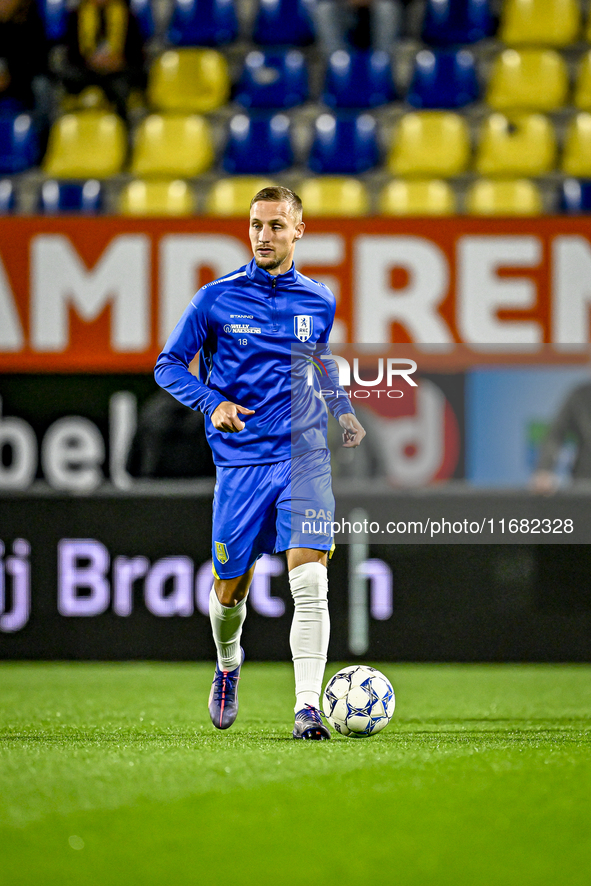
(112, 774)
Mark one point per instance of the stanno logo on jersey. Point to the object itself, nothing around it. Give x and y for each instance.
(221, 552)
(302, 326)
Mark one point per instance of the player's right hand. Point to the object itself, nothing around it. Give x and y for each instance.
(225, 417)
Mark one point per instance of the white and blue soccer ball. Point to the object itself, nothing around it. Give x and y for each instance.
(358, 701)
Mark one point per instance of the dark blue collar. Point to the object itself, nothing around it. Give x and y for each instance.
(259, 275)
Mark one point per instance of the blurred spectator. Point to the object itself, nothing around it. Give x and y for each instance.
(104, 48)
(571, 425)
(357, 24)
(23, 56)
(169, 441)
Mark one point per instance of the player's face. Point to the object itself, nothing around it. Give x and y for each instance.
(273, 235)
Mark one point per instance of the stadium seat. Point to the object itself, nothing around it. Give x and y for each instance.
(504, 197)
(87, 144)
(283, 23)
(575, 196)
(232, 196)
(358, 80)
(443, 79)
(417, 197)
(534, 79)
(7, 196)
(156, 197)
(56, 198)
(582, 91)
(540, 22)
(576, 157)
(430, 144)
(202, 23)
(194, 81)
(142, 10)
(334, 196)
(449, 22)
(175, 145)
(344, 145)
(519, 144)
(19, 142)
(258, 145)
(273, 79)
(54, 15)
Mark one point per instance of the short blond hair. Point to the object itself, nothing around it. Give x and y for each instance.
(277, 194)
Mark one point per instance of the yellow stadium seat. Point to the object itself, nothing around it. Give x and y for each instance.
(157, 197)
(430, 143)
(232, 196)
(87, 144)
(177, 145)
(504, 197)
(417, 197)
(195, 81)
(576, 158)
(535, 79)
(517, 144)
(582, 93)
(540, 22)
(334, 196)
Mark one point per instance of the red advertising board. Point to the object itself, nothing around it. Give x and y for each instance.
(102, 295)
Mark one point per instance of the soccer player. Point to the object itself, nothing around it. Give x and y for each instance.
(262, 336)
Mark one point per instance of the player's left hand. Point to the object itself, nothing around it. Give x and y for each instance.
(353, 431)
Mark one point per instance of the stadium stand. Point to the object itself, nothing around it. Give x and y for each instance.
(575, 196)
(175, 145)
(169, 197)
(202, 23)
(7, 196)
(430, 143)
(344, 145)
(503, 197)
(86, 144)
(443, 79)
(19, 142)
(519, 144)
(417, 197)
(334, 196)
(358, 80)
(144, 13)
(259, 144)
(195, 81)
(283, 23)
(59, 197)
(540, 22)
(232, 196)
(582, 90)
(449, 22)
(528, 79)
(273, 79)
(576, 157)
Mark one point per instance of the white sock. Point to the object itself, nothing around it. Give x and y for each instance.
(310, 630)
(226, 626)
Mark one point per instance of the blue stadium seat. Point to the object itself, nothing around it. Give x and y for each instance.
(259, 144)
(283, 23)
(7, 196)
(575, 196)
(344, 145)
(19, 143)
(58, 197)
(443, 79)
(358, 80)
(449, 22)
(142, 9)
(276, 79)
(202, 23)
(54, 14)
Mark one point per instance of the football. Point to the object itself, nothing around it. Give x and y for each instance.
(358, 701)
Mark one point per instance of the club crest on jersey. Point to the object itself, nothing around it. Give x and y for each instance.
(221, 552)
(302, 326)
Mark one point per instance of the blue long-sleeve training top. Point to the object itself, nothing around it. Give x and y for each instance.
(263, 344)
